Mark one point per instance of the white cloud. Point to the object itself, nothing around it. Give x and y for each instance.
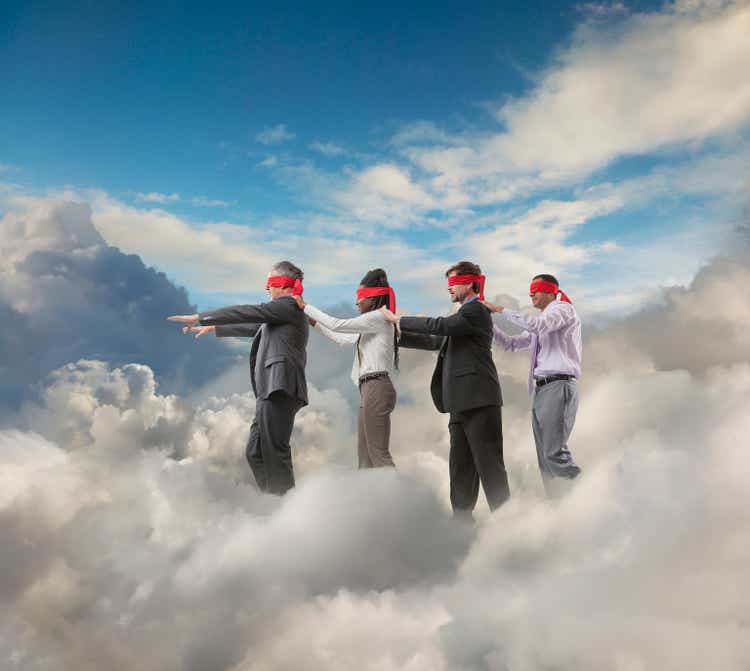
(197, 255)
(268, 162)
(600, 10)
(646, 83)
(539, 241)
(274, 134)
(385, 193)
(116, 553)
(161, 198)
(327, 148)
(203, 201)
(165, 199)
(657, 80)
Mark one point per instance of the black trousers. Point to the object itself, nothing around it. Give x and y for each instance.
(476, 456)
(268, 451)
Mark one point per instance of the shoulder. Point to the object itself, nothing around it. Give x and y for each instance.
(286, 305)
(375, 317)
(563, 308)
(474, 310)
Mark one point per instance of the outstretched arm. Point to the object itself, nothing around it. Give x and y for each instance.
(412, 339)
(455, 325)
(235, 330)
(510, 343)
(420, 341)
(553, 318)
(279, 311)
(339, 338)
(369, 322)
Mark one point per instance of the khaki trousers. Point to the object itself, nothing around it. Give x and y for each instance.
(377, 401)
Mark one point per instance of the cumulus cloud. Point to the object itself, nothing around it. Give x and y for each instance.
(205, 255)
(65, 294)
(385, 193)
(540, 238)
(133, 537)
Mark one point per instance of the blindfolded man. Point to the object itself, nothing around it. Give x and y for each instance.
(277, 369)
(465, 384)
(554, 338)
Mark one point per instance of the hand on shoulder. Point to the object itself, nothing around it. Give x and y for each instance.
(492, 307)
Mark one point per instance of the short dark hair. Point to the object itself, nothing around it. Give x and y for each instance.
(288, 269)
(547, 278)
(377, 277)
(466, 268)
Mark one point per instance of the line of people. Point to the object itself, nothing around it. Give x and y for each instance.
(464, 384)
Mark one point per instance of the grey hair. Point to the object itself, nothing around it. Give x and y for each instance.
(288, 269)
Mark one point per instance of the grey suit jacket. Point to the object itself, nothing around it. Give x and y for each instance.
(465, 376)
(278, 354)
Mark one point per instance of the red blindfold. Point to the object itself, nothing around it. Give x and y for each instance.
(453, 280)
(371, 292)
(548, 288)
(283, 282)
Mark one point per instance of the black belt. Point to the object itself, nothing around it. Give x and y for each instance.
(541, 381)
(372, 376)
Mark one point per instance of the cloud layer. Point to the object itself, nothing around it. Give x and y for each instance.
(133, 537)
(66, 294)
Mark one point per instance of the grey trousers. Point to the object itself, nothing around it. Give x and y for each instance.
(268, 451)
(377, 401)
(552, 418)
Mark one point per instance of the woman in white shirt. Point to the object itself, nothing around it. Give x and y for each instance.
(375, 358)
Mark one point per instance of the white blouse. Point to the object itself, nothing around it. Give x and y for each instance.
(375, 335)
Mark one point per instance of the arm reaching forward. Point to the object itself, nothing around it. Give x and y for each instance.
(510, 343)
(280, 311)
(554, 317)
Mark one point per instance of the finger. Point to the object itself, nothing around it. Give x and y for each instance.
(186, 329)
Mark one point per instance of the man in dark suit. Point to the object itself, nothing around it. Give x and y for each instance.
(277, 370)
(466, 385)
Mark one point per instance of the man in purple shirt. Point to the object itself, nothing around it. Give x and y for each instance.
(554, 338)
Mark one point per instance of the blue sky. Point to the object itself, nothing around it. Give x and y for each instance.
(604, 142)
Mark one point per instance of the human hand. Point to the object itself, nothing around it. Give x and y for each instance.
(299, 301)
(492, 307)
(392, 318)
(200, 331)
(190, 320)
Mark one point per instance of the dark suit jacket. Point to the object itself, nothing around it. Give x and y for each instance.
(278, 354)
(465, 376)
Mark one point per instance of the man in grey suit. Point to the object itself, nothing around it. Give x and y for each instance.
(465, 384)
(277, 370)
